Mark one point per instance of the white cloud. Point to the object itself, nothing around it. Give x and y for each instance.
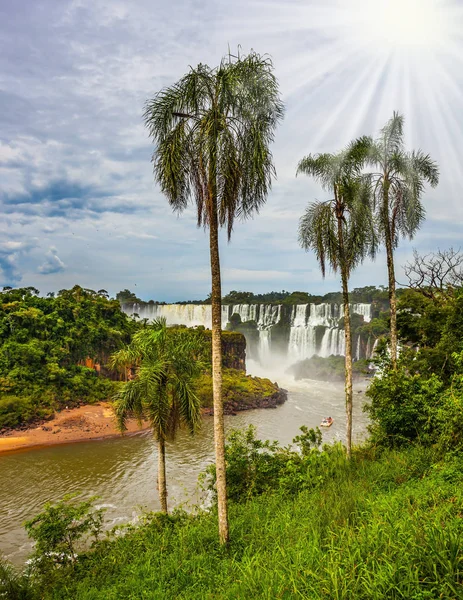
(52, 264)
(75, 158)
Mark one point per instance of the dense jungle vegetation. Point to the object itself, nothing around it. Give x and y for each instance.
(44, 343)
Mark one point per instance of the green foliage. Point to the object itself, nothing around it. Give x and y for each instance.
(15, 411)
(127, 297)
(385, 526)
(14, 585)
(340, 231)
(236, 387)
(61, 530)
(44, 343)
(212, 132)
(405, 408)
(256, 467)
(436, 328)
(378, 295)
(399, 182)
(166, 363)
(423, 400)
(377, 327)
(402, 408)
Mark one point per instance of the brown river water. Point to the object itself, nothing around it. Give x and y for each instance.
(122, 471)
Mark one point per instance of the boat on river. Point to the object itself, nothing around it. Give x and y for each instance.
(327, 422)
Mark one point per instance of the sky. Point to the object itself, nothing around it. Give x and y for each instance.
(78, 201)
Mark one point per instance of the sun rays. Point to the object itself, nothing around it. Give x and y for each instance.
(345, 65)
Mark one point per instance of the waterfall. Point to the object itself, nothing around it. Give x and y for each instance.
(333, 342)
(310, 328)
(247, 312)
(364, 310)
(302, 343)
(369, 350)
(302, 339)
(269, 314)
(264, 346)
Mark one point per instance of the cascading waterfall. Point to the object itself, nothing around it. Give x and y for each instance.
(264, 346)
(357, 351)
(303, 330)
(364, 310)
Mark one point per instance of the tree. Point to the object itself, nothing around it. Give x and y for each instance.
(398, 187)
(437, 274)
(340, 231)
(166, 363)
(212, 131)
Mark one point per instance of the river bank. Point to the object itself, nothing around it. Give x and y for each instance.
(84, 423)
(96, 421)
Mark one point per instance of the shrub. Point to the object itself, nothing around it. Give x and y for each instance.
(14, 411)
(256, 467)
(406, 408)
(61, 529)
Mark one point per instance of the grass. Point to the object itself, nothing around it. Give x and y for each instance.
(388, 526)
(237, 387)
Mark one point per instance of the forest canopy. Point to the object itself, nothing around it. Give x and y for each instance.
(45, 343)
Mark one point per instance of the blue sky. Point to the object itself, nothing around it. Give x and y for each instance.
(77, 196)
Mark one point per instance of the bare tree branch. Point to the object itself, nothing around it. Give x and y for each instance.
(435, 274)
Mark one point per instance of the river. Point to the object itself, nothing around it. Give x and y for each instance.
(122, 471)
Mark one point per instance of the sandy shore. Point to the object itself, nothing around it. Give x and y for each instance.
(90, 422)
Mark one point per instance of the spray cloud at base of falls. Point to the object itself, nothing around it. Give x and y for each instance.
(275, 333)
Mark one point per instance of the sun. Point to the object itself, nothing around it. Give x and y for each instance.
(415, 25)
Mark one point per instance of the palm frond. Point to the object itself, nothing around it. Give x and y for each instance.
(128, 403)
(391, 135)
(317, 232)
(423, 167)
(400, 185)
(322, 167)
(189, 405)
(212, 131)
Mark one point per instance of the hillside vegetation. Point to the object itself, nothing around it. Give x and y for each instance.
(44, 344)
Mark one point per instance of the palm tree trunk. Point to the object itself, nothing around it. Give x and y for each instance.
(391, 277)
(348, 363)
(162, 485)
(219, 432)
(347, 328)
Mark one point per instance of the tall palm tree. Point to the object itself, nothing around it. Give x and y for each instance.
(398, 187)
(166, 363)
(340, 231)
(212, 131)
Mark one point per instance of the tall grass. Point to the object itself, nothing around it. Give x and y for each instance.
(381, 527)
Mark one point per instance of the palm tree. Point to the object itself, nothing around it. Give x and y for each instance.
(398, 186)
(166, 362)
(340, 231)
(212, 131)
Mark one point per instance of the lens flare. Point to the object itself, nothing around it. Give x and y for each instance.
(402, 24)
(346, 65)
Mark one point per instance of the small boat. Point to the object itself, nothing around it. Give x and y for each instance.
(327, 422)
